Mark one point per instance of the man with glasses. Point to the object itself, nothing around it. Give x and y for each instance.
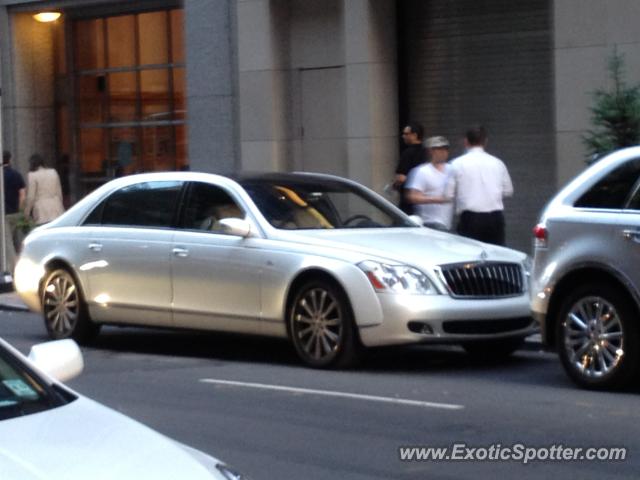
(412, 156)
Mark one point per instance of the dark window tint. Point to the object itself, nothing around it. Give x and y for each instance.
(95, 217)
(149, 204)
(613, 190)
(206, 205)
(634, 201)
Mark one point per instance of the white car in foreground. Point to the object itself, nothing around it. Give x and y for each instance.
(49, 432)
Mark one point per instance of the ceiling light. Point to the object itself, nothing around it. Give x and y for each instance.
(47, 16)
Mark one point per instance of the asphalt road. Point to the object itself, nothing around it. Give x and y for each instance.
(348, 425)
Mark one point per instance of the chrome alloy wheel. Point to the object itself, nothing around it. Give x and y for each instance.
(61, 304)
(318, 324)
(593, 337)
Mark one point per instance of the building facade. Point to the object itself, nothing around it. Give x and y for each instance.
(117, 87)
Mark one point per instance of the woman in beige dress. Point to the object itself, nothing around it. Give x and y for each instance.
(44, 193)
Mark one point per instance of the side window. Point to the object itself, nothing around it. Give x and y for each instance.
(95, 217)
(634, 201)
(614, 189)
(206, 205)
(149, 204)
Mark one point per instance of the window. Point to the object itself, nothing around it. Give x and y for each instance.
(612, 191)
(129, 77)
(634, 201)
(325, 204)
(149, 204)
(208, 204)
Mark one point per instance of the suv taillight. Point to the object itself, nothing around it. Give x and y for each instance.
(540, 235)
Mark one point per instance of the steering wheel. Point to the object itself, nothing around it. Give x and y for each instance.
(359, 216)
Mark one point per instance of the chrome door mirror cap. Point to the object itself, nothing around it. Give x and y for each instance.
(238, 227)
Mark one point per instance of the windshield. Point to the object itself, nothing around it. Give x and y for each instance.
(21, 393)
(321, 204)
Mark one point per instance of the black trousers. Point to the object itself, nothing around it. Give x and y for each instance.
(487, 227)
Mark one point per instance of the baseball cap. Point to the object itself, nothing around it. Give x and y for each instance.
(436, 142)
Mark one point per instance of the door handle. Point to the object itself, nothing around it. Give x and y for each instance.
(180, 252)
(634, 235)
(95, 247)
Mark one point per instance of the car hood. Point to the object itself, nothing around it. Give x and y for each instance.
(85, 440)
(414, 246)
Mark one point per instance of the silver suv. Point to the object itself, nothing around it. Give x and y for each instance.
(585, 288)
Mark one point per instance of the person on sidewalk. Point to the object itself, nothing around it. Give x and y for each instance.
(426, 187)
(413, 155)
(44, 192)
(479, 183)
(14, 195)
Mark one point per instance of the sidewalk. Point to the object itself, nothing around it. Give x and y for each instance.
(11, 301)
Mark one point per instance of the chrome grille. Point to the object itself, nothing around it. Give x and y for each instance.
(483, 279)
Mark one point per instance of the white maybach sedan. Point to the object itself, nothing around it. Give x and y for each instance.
(50, 432)
(318, 259)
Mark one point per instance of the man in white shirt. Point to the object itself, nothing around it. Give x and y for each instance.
(426, 187)
(479, 182)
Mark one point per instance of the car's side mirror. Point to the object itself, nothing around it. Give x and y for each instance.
(238, 227)
(60, 359)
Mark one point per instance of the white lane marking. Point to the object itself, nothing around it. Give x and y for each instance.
(329, 393)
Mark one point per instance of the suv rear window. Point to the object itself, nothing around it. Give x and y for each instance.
(612, 191)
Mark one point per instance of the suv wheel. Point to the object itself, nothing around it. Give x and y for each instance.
(598, 337)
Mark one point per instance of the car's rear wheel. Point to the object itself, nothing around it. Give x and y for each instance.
(321, 326)
(597, 337)
(64, 309)
(494, 349)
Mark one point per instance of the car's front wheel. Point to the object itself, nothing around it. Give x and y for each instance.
(64, 309)
(597, 335)
(321, 326)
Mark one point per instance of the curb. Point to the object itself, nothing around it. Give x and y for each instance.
(9, 301)
(5, 307)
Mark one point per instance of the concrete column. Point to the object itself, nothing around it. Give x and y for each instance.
(586, 33)
(5, 77)
(371, 90)
(211, 43)
(29, 102)
(265, 85)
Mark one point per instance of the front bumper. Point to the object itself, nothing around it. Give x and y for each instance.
(440, 319)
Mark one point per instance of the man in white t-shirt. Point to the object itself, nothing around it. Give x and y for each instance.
(426, 186)
(479, 182)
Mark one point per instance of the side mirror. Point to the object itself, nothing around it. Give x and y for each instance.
(60, 359)
(416, 219)
(238, 227)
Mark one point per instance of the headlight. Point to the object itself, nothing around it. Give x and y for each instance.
(397, 278)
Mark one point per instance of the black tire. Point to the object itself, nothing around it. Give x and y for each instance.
(493, 349)
(64, 309)
(321, 326)
(597, 337)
